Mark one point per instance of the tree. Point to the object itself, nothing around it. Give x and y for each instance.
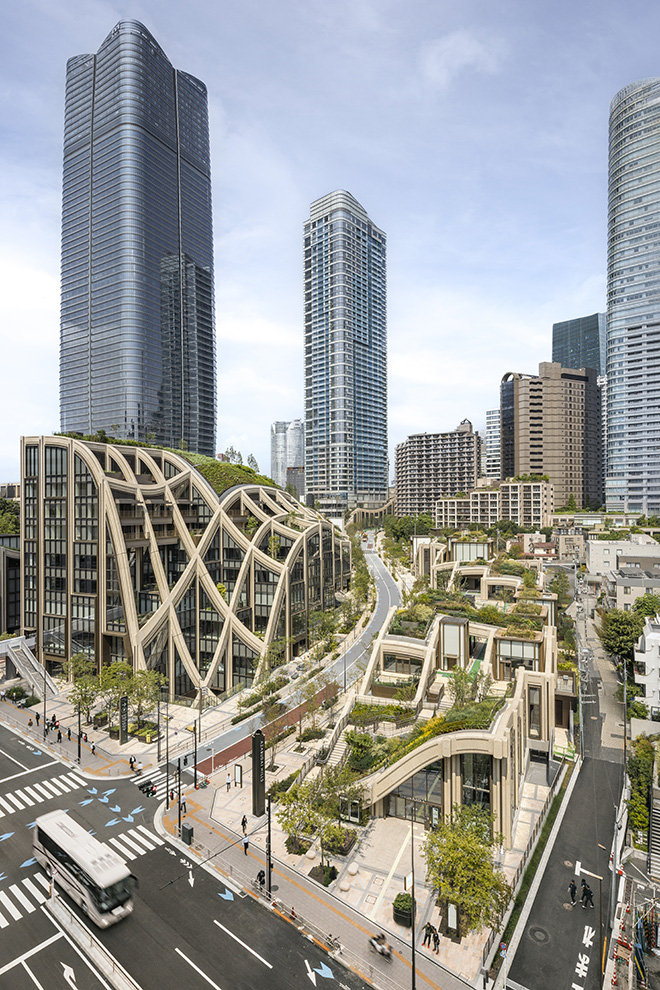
(459, 862)
(647, 604)
(270, 711)
(295, 810)
(79, 665)
(233, 456)
(276, 653)
(460, 687)
(635, 707)
(252, 463)
(84, 693)
(561, 587)
(339, 788)
(10, 516)
(619, 632)
(144, 693)
(115, 681)
(274, 544)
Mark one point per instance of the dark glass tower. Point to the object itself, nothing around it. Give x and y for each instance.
(581, 343)
(345, 355)
(137, 347)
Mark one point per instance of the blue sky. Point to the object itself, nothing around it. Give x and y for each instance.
(473, 133)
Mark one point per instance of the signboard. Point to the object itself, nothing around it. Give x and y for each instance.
(238, 775)
(408, 881)
(258, 773)
(123, 720)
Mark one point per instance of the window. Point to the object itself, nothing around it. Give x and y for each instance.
(534, 712)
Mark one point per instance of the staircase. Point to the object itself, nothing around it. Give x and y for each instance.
(654, 835)
(28, 667)
(338, 754)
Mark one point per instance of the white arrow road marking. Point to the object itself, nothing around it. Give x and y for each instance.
(191, 879)
(310, 973)
(197, 970)
(578, 867)
(237, 939)
(69, 975)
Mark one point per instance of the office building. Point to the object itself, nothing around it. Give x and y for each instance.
(287, 449)
(581, 343)
(633, 300)
(345, 356)
(132, 553)
(429, 465)
(137, 339)
(491, 453)
(551, 425)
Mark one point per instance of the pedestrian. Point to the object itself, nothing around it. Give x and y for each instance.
(244, 824)
(587, 897)
(93, 748)
(436, 941)
(228, 781)
(261, 878)
(59, 736)
(428, 933)
(246, 843)
(131, 763)
(572, 889)
(2, 694)
(29, 723)
(68, 734)
(183, 806)
(37, 716)
(139, 766)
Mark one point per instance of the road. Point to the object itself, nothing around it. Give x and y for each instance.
(187, 929)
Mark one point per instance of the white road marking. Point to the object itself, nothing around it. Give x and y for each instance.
(22, 899)
(132, 844)
(33, 794)
(23, 796)
(237, 939)
(8, 808)
(13, 759)
(122, 849)
(33, 770)
(31, 952)
(36, 893)
(196, 968)
(29, 972)
(152, 837)
(50, 786)
(4, 923)
(40, 789)
(40, 878)
(12, 797)
(141, 839)
(9, 905)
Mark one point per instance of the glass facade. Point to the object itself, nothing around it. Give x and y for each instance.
(345, 355)
(633, 301)
(581, 343)
(137, 354)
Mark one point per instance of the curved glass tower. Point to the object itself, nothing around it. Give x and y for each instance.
(137, 340)
(345, 355)
(633, 300)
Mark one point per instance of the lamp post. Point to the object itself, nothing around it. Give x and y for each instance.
(158, 727)
(45, 729)
(79, 733)
(167, 754)
(412, 867)
(179, 775)
(268, 862)
(196, 725)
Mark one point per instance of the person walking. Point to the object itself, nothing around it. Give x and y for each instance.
(587, 897)
(183, 806)
(131, 763)
(93, 748)
(572, 889)
(246, 843)
(228, 781)
(68, 734)
(244, 824)
(37, 716)
(139, 766)
(428, 934)
(261, 878)
(436, 941)
(59, 735)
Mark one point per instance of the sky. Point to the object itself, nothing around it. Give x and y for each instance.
(474, 134)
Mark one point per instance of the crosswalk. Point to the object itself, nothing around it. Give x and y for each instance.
(29, 795)
(159, 777)
(135, 842)
(21, 899)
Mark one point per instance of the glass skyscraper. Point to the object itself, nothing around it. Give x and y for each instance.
(137, 346)
(345, 355)
(580, 343)
(633, 300)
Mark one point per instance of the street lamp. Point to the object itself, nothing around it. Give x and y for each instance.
(412, 868)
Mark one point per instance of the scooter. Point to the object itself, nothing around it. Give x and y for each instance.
(379, 944)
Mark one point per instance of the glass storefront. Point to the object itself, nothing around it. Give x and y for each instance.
(424, 790)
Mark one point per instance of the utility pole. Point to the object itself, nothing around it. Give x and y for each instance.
(196, 725)
(179, 775)
(412, 867)
(268, 862)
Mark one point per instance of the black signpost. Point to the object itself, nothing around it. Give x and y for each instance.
(123, 720)
(258, 774)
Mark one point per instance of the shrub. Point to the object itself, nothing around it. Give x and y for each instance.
(281, 786)
(16, 693)
(311, 734)
(403, 902)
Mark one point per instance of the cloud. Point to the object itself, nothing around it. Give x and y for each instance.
(443, 59)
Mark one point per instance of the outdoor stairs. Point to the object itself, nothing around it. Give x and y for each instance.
(654, 835)
(338, 754)
(28, 666)
(445, 703)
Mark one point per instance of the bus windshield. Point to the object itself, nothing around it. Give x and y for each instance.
(109, 898)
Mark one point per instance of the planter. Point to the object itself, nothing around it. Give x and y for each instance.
(100, 720)
(402, 910)
(114, 733)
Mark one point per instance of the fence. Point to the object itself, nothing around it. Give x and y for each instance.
(518, 876)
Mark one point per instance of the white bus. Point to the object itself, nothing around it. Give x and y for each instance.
(93, 874)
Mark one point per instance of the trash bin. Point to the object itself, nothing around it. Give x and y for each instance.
(187, 833)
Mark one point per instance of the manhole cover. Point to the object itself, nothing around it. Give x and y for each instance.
(539, 935)
(568, 863)
(594, 718)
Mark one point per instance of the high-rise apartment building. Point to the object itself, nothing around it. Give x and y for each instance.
(287, 448)
(491, 453)
(137, 355)
(551, 425)
(633, 300)
(429, 465)
(581, 343)
(345, 355)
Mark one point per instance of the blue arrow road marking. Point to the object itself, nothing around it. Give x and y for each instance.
(325, 972)
(7, 835)
(128, 818)
(92, 790)
(136, 811)
(116, 808)
(3, 876)
(114, 821)
(86, 801)
(104, 800)
(227, 896)
(111, 791)
(28, 862)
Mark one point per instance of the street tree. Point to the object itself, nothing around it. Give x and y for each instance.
(271, 708)
(79, 665)
(619, 632)
(84, 693)
(647, 604)
(459, 862)
(144, 693)
(115, 681)
(296, 812)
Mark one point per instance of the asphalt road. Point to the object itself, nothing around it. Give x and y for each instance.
(187, 929)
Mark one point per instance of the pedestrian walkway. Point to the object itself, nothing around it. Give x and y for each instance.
(135, 842)
(20, 899)
(28, 795)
